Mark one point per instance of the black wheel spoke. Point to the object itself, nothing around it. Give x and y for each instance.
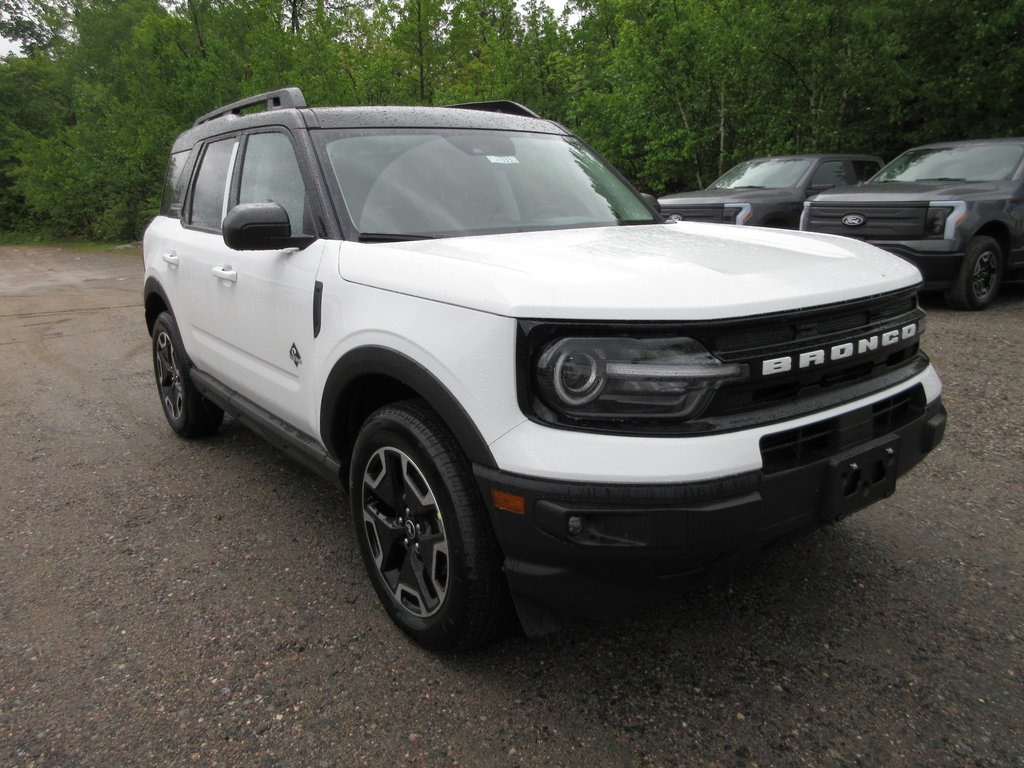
(415, 590)
(404, 531)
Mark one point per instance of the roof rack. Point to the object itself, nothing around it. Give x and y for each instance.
(505, 107)
(286, 98)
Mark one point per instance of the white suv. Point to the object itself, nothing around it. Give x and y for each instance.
(536, 393)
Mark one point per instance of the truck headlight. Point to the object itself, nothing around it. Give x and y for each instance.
(736, 213)
(628, 378)
(942, 217)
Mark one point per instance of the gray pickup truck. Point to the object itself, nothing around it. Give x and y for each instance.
(768, 191)
(953, 209)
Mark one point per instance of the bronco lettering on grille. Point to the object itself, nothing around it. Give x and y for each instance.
(837, 352)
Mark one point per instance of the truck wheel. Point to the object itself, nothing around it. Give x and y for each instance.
(187, 411)
(978, 281)
(423, 532)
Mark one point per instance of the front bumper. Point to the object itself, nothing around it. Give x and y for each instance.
(938, 260)
(602, 550)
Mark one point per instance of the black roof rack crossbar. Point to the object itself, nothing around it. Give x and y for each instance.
(505, 107)
(286, 98)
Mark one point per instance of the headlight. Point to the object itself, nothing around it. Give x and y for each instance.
(935, 221)
(629, 378)
(736, 213)
(942, 217)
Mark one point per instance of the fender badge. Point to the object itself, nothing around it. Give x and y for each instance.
(293, 353)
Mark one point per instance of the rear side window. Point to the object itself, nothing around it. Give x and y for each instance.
(209, 194)
(829, 174)
(174, 185)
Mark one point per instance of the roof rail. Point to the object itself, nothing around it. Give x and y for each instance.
(505, 107)
(286, 98)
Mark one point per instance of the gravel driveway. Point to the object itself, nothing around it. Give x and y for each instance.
(172, 603)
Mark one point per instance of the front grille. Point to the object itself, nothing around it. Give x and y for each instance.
(902, 221)
(781, 330)
(714, 214)
(805, 445)
(792, 335)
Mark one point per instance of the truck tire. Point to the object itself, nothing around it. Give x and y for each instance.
(976, 285)
(424, 534)
(187, 411)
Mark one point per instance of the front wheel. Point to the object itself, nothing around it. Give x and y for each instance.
(976, 285)
(424, 535)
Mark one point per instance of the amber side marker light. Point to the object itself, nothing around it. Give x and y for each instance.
(509, 502)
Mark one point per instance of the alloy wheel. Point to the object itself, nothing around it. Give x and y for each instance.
(405, 532)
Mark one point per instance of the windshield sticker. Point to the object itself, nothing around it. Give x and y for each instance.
(503, 159)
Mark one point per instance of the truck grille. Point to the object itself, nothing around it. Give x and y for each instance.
(905, 221)
(715, 214)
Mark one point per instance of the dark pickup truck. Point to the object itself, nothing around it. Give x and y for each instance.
(953, 209)
(768, 191)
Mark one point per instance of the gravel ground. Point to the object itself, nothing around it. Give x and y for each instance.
(172, 603)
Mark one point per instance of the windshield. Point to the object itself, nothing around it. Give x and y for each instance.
(410, 183)
(771, 173)
(978, 162)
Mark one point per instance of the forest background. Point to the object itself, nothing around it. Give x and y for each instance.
(671, 91)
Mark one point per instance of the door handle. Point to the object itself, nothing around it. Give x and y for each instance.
(225, 273)
(172, 258)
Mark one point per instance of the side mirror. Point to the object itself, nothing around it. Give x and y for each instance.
(261, 227)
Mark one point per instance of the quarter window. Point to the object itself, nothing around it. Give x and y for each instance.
(174, 185)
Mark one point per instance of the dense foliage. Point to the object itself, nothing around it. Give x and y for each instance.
(671, 91)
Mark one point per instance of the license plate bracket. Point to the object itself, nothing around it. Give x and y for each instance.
(860, 477)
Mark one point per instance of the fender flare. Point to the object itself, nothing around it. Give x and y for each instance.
(337, 429)
(153, 287)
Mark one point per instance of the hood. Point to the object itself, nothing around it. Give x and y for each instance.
(719, 196)
(684, 271)
(918, 191)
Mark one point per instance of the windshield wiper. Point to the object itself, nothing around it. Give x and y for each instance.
(390, 237)
(942, 178)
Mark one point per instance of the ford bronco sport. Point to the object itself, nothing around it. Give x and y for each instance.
(536, 393)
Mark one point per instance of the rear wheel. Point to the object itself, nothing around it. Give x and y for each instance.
(977, 283)
(424, 535)
(187, 411)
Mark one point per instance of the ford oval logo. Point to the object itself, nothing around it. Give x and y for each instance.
(853, 219)
(675, 217)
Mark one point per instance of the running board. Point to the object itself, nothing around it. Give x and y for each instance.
(297, 445)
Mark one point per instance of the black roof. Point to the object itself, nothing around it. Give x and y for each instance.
(286, 108)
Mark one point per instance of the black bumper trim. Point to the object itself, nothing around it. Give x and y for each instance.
(606, 549)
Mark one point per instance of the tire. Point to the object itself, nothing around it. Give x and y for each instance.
(977, 284)
(423, 532)
(187, 411)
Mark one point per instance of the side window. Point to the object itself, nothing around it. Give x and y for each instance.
(829, 174)
(270, 174)
(865, 169)
(210, 190)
